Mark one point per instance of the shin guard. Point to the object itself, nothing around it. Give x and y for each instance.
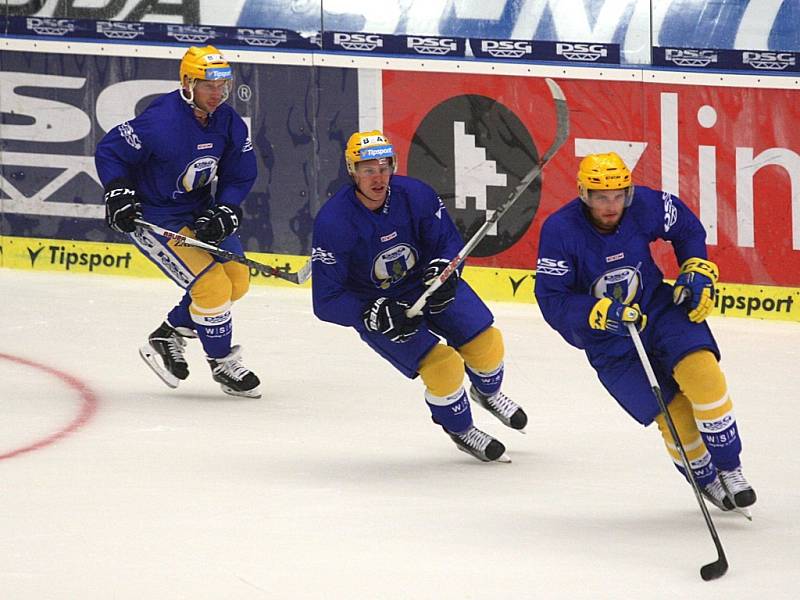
(451, 412)
(701, 380)
(211, 311)
(484, 360)
(680, 409)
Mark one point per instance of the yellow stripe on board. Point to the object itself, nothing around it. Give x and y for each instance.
(494, 284)
(733, 299)
(34, 254)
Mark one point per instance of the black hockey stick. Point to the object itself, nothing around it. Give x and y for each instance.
(719, 567)
(297, 277)
(562, 132)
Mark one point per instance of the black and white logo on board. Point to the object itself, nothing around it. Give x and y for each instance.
(474, 151)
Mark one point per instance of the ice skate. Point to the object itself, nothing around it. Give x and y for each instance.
(738, 488)
(501, 406)
(715, 493)
(164, 353)
(234, 378)
(481, 445)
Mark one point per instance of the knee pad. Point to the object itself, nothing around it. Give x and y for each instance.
(239, 276)
(701, 380)
(442, 371)
(211, 291)
(195, 259)
(680, 409)
(485, 352)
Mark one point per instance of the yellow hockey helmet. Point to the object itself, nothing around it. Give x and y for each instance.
(368, 145)
(204, 63)
(604, 172)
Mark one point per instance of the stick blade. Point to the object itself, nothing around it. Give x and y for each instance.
(714, 570)
(304, 273)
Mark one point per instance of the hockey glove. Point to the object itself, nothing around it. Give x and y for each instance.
(442, 297)
(388, 317)
(612, 316)
(695, 287)
(217, 223)
(122, 206)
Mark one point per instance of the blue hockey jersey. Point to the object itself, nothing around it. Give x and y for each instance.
(171, 159)
(359, 255)
(577, 264)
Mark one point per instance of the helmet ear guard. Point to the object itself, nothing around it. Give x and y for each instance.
(368, 145)
(206, 64)
(604, 172)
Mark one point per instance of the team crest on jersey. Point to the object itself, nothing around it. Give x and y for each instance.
(198, 173)
(622, 284)
(392, 265)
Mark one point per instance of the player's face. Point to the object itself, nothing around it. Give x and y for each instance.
(208, 95)
(606, 207)
(372, 181)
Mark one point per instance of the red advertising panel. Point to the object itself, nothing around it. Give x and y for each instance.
(732, 154)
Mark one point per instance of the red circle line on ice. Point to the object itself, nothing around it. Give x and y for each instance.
(88, 406)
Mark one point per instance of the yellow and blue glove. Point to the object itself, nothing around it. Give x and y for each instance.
(695, 287)
(612, 316)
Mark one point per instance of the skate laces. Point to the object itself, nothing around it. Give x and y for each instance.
(734, 480)
(715, 489)
(502, 404)
(175, 346)
(232, 365)
(475, 438)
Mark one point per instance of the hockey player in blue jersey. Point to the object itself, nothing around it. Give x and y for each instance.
(376, 244)
(595, 274)
(160, 167)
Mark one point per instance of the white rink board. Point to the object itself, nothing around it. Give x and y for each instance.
(336, 485)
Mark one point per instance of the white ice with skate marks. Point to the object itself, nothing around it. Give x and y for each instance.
(335, 484)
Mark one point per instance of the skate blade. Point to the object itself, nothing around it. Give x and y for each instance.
(254, 393)
(745, 512)
(150, 357)
(503, 458)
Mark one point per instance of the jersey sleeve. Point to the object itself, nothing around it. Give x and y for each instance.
(330, 259)
(123, 149)
(681, 227)
(237, 166)
(439, 236)
(564, 309)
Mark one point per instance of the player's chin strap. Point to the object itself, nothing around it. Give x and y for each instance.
(190, 99)
(383, 207)
(562, 132)
(191, 103)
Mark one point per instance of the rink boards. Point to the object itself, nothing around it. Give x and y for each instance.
(724, 142)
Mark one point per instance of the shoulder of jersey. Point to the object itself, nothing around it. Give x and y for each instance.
(165, 102)
(642, 191)
(410, 184)
(645, 199)
(336, 204)
(566, 212)
(161, 113)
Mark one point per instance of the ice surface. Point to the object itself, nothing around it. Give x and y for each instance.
(335, 484)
